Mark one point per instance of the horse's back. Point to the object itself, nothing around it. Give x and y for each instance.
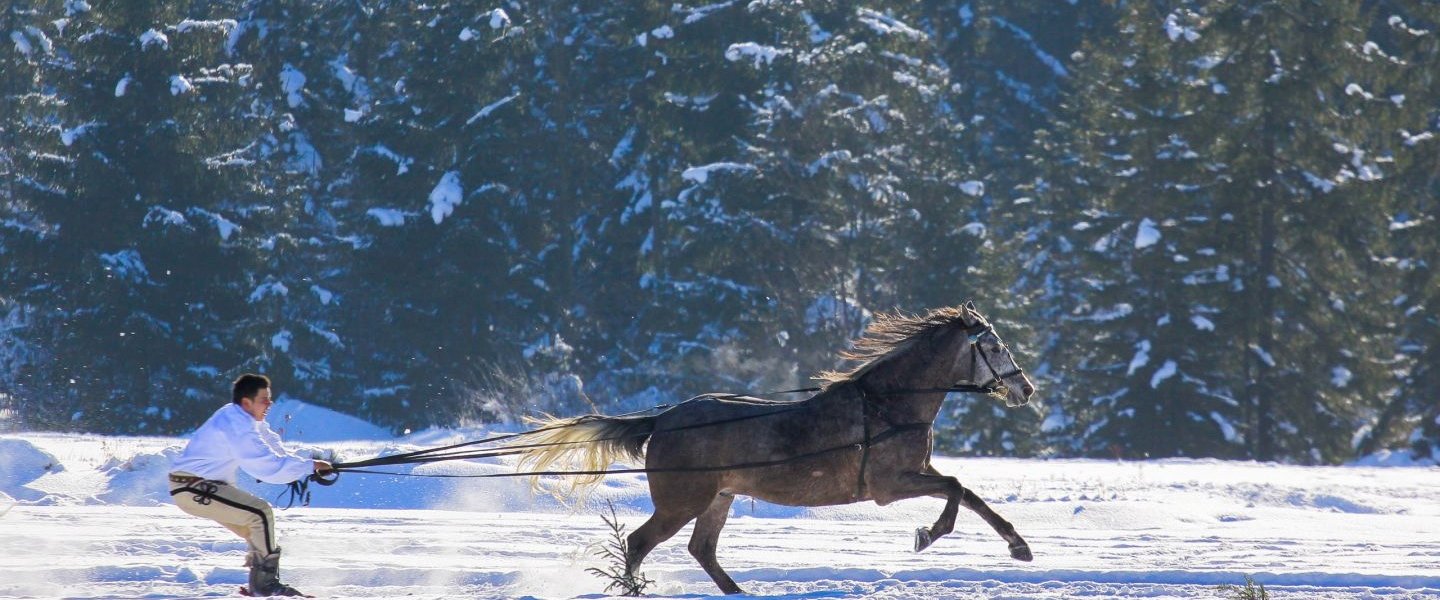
(772, 450)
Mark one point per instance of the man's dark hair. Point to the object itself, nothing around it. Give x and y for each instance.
(247, 386)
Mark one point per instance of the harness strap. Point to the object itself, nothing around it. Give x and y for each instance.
(865, 405)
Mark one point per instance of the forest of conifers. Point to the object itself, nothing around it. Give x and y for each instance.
(1206, 228)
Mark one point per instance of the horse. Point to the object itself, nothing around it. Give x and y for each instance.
(865, 436)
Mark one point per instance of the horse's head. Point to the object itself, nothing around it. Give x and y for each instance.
(987, 361)
(945, 348)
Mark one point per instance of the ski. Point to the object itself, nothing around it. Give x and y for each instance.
(245, 591)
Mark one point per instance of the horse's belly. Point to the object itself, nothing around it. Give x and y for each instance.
(819, 483)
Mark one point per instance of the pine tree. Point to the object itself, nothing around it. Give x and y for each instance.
(31, 174)
(134, 264)
(295, 287)
(1227, 153)
(1009, 63)
(817, 133)
(1409, 35)
(414, 111)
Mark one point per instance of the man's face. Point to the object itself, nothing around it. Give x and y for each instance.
(259, 405)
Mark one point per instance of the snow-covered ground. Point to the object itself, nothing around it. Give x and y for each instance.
(91, 519)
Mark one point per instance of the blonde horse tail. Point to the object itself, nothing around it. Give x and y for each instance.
(589, 443)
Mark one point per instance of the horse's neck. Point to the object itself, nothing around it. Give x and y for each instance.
(904, 403)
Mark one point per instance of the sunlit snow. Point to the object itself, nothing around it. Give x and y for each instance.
(89, 517)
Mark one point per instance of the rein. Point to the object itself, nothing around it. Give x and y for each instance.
(300, 490)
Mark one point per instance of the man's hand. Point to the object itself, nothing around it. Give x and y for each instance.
(322, 466)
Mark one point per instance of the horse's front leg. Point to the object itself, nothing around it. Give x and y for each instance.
(931, 483)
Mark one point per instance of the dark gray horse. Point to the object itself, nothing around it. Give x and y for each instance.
(865, 436)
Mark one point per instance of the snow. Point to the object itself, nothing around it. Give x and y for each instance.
(1056, 67)
(126, 264)
(222, 25)
(1176, 30)
(1355, 89)
(1226, 428)
(694, 15)
(756, 53)
(490, 108)
(1141, 358)
(225, 227)
(1147, 235)
(154, 38)
(22, 45)
(269, 288)
(886, 25)
(179, 85)
(446, 196)
(1118, 311)
(92, 519)
(299, 421)
(1264, 356)
(388, 217)
(973, 228)
(973, 188)
(281, 340)
(1166, 371)
(701, 174)
(1340, 376)
(402, 163)
(68, 136)
(499, 19)
(1399, 23)
(292, 82)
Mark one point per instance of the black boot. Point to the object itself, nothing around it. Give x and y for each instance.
(265, 575)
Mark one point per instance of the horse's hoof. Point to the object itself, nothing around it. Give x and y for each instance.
(1021, 551)
(922, 539)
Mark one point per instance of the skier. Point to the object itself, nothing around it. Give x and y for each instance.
(202, 479)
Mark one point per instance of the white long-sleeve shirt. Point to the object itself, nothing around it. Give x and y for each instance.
(232, 439)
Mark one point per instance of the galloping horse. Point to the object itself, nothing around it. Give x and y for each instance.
(865, 436)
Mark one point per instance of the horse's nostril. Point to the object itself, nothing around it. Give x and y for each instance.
(1028, 389)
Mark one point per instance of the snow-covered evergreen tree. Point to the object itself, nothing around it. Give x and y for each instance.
(137, 264)
(1228, 155)
(1410, 415)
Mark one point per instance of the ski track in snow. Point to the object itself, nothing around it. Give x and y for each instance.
(93, 520)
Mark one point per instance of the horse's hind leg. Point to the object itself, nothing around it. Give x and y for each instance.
(660, 527)
(705, 538)
(675, 505)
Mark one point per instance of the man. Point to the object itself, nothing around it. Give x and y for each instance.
(202, 480)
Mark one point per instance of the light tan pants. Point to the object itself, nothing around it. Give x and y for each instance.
(238, 510)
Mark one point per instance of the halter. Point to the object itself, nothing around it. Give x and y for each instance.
(997, 379)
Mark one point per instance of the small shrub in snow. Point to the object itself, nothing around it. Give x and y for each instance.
(1251, 591)
(613, 552)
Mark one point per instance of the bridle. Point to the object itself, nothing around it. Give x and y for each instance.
(997, 379)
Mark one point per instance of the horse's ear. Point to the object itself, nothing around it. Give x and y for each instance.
(970, 306)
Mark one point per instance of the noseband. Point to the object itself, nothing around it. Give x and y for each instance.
(997, 379)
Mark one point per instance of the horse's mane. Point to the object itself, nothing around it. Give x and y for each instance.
(888, 335)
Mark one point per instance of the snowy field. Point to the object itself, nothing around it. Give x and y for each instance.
(90, 517)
